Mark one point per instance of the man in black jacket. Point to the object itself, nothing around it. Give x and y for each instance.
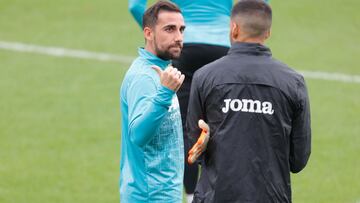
(258, 112)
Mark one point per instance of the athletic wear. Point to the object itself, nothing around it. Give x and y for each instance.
(152, 152)
(259, 117)
(193, 56)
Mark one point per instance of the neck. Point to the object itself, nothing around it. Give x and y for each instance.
(150, 48)
(250, 40)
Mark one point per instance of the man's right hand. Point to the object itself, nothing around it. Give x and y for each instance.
(170, 77)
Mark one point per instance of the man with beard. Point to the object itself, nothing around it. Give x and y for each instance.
(152, 156)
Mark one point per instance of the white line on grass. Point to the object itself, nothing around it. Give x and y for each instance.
(319, 75)
(63, 52)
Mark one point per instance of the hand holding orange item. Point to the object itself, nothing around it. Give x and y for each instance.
(200, 145)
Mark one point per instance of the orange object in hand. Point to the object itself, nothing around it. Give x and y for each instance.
(200, 145)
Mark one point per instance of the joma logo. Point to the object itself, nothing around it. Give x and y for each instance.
(248, 105)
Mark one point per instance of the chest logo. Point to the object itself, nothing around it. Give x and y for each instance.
(248, 105)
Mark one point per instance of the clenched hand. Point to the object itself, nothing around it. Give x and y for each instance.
(170, 77)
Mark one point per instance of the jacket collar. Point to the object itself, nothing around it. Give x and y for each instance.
(249, 49)
(153, 59)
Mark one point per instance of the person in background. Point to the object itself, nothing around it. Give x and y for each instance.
(257, 113)
(151, 167)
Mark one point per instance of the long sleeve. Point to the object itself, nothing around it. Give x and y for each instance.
(147, 105)
(300, 143)
(137, 9)
(194, 112)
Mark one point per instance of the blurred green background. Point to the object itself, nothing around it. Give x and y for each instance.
(60, 117)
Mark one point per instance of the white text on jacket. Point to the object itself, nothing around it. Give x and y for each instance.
(248, 105)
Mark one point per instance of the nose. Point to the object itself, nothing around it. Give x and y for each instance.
(179, 36)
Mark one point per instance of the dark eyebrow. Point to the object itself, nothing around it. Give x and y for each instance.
(169, 26)
(174, 26)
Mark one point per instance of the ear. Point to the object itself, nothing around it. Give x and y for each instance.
(267, 34)
(234, 30)
(148, 33)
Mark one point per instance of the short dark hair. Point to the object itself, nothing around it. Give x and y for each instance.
(151, 14)
(254, 16)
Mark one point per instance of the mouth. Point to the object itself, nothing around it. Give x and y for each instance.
(176, 47)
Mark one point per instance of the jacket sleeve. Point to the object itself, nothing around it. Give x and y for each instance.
(148, 104)
(194, 112)
(137, 9)
(300, 138)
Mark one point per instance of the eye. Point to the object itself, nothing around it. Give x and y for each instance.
(182, 29)
(169, 29)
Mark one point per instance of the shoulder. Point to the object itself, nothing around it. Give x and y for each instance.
(213, 67)
(141, 72)
(288, 71)
(143, 68)
(209, 75)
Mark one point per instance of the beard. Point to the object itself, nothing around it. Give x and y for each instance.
(167, 53)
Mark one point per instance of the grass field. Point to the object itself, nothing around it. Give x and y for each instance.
(60, 117)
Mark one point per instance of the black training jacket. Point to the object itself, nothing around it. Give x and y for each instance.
(259, 117)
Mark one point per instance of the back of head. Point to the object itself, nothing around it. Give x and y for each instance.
(254, 17)
(151, 14)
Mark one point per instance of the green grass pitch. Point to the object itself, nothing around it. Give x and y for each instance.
(60, 117)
